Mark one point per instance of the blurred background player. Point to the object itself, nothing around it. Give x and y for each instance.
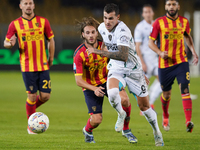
(149, 58)
(91, 74)
(173, 62)
(30, 30)
(124, 66)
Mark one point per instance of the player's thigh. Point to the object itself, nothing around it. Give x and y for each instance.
(114, 79)
(183, 73)
(167, 77)
(137, 85)
(31, 81)
(44, 82)
(94, 103)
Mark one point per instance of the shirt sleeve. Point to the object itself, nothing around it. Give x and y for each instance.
(123, 38)
(11, 31)
(155, 30)
(138, 34)
(188, 28)
(78, 65)
(47, 30)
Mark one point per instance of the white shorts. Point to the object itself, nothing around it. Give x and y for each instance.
(134, 80)
(152, 65)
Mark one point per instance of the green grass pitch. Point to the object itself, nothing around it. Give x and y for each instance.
(67, 112)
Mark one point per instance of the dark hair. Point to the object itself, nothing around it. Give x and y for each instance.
(147, 5)
(171, 0)
(87, 21)
(22, 0)
(112, 8)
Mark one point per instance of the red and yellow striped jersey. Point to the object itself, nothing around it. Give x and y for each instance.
(171, 38)
(30, 34)
(92, 68)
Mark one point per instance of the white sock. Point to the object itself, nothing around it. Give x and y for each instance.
(115, 99)
(151, 117)
(155, 91)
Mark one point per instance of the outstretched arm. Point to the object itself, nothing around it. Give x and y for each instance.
(11, 43)
(122, 54)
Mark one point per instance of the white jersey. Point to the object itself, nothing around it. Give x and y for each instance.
(120, 35)
(141, 34)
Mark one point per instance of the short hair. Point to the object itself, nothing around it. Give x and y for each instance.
(171, 0)
(22, 0)
(87, 21)
(147, 5)
(112, 8)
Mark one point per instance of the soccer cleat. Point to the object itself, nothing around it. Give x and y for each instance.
(129, 135)
(158, 139)
(120, 121)
(89, 138)
(29, 131)
(165, 124)
(189, 126)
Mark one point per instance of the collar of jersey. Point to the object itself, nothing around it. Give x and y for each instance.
(171, 18)
(29, 19)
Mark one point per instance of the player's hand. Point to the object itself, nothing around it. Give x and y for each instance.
(196, 59)
(164, 55)
(90, 50)
(147, 80)
(144, 67)
(98, 92)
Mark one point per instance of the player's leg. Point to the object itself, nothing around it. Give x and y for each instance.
(126, 105)
(44, 88)
(183, 78)
(155, 92)
(139, 87)
(115, 99)
(166, 78)
(94, 105)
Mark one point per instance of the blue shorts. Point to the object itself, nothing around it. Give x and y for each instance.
(39, 80)
(167, 75)
(94, 103)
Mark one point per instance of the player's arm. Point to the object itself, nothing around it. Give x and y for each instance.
(51, 49)
(122, 54)
(189, 42)
(97, 90)
(137, 46)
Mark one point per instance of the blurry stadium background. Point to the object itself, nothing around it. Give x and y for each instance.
(62, 15)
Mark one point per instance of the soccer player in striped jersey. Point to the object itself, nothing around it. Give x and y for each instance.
(91, 74)
(30, 30)
(170, 31)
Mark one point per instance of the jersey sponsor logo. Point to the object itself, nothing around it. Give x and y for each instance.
(173, 36)
(110, 37)
(111, 46)
(124, 39)
(32, 38)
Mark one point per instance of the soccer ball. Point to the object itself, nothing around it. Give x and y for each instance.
(38, 122)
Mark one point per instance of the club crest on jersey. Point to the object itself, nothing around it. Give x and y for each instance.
(180, 24)
(37, 24)
(110, 37)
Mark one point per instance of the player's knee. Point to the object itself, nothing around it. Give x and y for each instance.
(96, 119)
(167, 94)
(184, 88)
(112, 94)
(44, 97)
(32, 97)
(125, 101)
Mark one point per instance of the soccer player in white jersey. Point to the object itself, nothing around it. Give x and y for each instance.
(149, 58)
(124, 66)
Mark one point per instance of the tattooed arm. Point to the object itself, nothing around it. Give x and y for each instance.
(122, 54)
